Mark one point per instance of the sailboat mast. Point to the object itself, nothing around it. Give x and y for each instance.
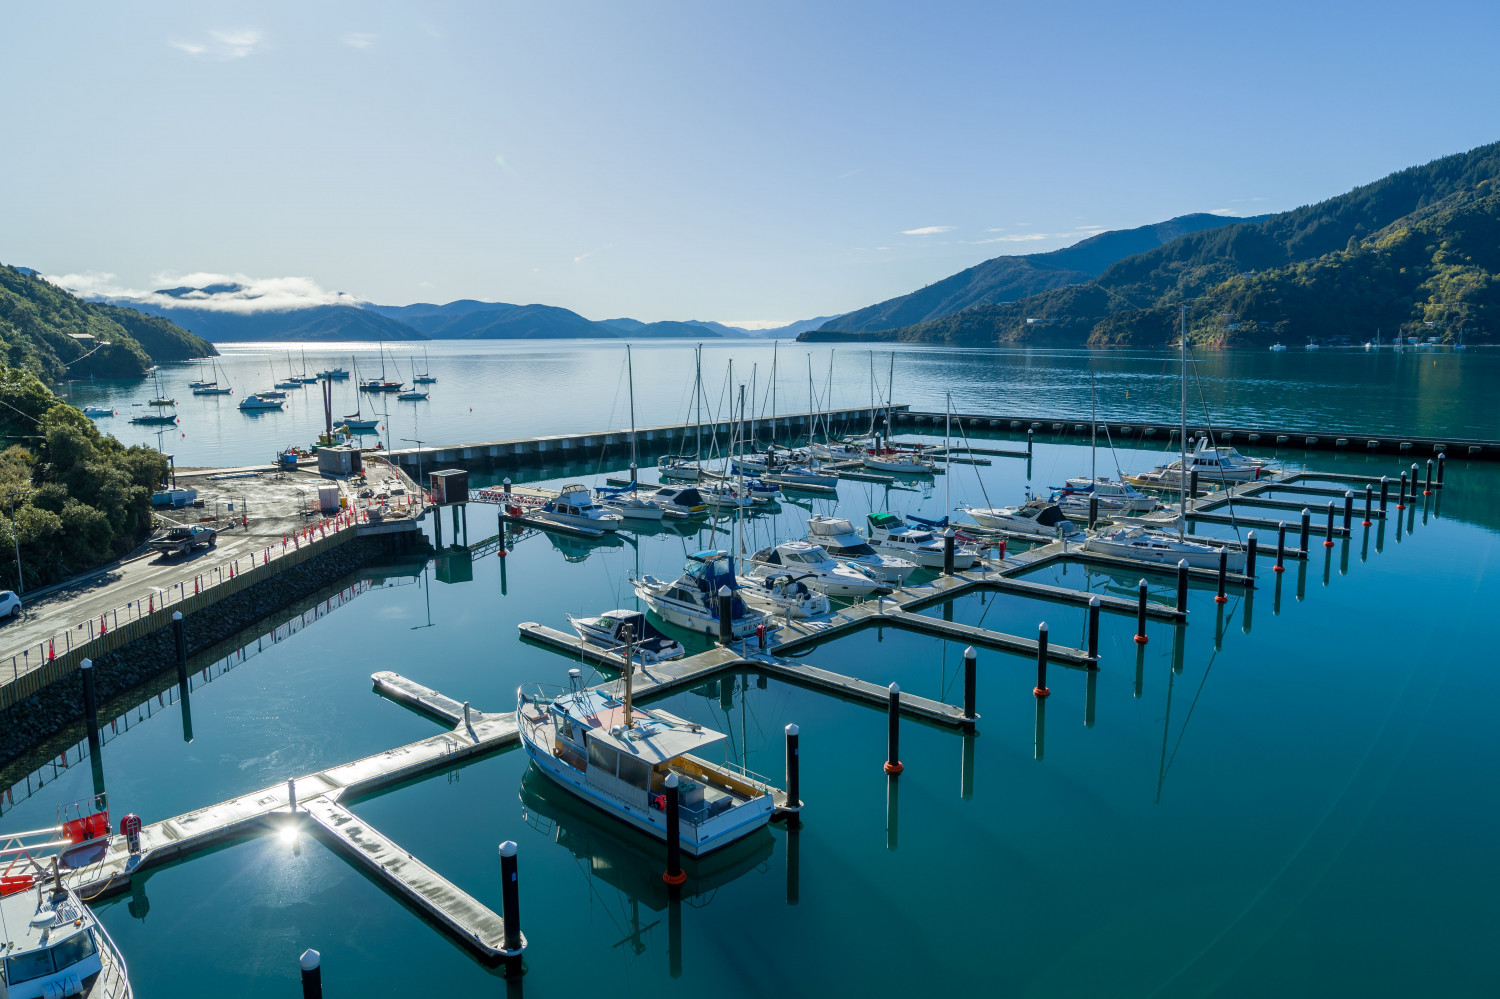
(630, 380)
(698, 401)
(774, 348)
(1182, 470)
(947, 443)
(812, 420)
(890, 384)
(1093, 429)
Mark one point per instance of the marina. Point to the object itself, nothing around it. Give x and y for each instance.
(969, 649)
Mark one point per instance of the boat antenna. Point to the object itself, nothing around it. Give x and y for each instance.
(629, 630)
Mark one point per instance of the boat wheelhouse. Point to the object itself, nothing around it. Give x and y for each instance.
(575, 507)
(620, 759)
(784, 594)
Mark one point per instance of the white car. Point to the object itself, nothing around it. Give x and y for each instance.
(10, 604)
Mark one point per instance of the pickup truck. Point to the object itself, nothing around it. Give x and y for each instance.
(181, 540)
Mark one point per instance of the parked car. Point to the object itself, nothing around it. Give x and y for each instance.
(10, 604)
(181, 540)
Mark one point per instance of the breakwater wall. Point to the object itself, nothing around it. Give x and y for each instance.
(130, 661)
(1155, 434)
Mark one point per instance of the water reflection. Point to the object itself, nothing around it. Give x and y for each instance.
(1039, 733)
(892, 811)
(966, 767)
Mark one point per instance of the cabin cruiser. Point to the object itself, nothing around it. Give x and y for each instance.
(271, 394)
(1278, 346)
(1210, 464)
(1114, 496)
(837, 537)
(253, 401)
(1037, 517)
(724, 492)
(575, 507)
(1160, 546)
(607, 631)
(619, 758)
(629, 504)
(890, 535)
(680, 501)
(818, 569)
(692, 601)
(335, 374)
(50, 942)
(683, 467)
(97, 411)
(783, 594)
(901, 462)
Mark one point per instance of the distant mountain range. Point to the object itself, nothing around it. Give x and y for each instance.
(1417, 252)
(465, 319)
(1005, 279)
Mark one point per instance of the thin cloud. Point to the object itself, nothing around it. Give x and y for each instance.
(220, 45)
(758, 324)
(843, 176)
(928, 230)
(1221, 211)
(584, 256)
(359, 40)
(233, 293)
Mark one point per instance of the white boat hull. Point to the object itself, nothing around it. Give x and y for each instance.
(1196, 558)
(694, 619)
(899, 467)
(696, 840)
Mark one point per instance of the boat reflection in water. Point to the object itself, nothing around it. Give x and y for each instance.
(631, 863)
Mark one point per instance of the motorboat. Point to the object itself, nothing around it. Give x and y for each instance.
(575, 507)
(723, 492)
(1278, 346)
(51, 942)
(1038, 517)
(619, 758)
(607, 631)
(255, 402)
(1211, 465)
(1114, 496)
(335, 374)
(684, 468)
(680, 501)
(837, 537)
(97, 411)
(783, 594)
(271, 394)
(629, 504)
(890, 535)
(897, 461)
(819, 570)
(1159, 546)
(692, 600)
(1311, 346)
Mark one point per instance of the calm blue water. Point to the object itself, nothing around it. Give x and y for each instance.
(500, 390)
(1286, 797)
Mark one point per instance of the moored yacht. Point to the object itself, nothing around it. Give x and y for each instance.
(783, 594)
(630, 504)
(900, 462)
(890, 535)
(683, 467)
(648, 645)
(1037, 517)
(1211, 464)
(692, 600)
(620, 758)
(818, 569)
(680, 501)
(576, 507)
(837, 537)
(1114, 496)
(1160, 546)
(97, 411)
(255, 402)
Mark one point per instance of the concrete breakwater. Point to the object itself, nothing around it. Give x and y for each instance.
(60, 703)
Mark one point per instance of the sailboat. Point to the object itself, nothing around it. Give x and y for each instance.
(1150, 545)
(202, 382)
(160, 399)
(1111, 496)
(426, 377)
(684, 467)
(305, 378)
(213, 387)
(355, 421)
(884, 458)
(629, 503)
(380, 384)
(412, 394)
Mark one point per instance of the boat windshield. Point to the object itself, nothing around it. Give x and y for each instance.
(853, 551)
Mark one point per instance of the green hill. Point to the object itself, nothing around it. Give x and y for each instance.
(1415, 247)
(44, 330)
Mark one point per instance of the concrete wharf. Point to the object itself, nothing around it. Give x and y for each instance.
(1126, 430)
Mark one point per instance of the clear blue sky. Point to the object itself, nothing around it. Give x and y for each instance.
(740, 162)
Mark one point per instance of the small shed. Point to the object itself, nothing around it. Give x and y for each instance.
(340, 462)
(451, 485)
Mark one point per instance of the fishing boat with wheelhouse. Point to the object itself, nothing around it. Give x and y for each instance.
(620, 758)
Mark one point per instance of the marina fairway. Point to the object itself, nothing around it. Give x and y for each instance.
(1277, 798)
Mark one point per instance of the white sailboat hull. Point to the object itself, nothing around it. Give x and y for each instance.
(1196, 556)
